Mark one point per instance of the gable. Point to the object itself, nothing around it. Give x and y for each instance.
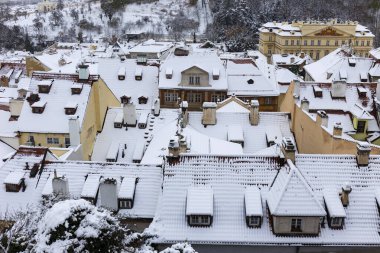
(194, 69)
(327, 31)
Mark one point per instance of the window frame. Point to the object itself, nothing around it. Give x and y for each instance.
(296, 225)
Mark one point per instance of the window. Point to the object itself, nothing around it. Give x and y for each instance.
(319, 42)
(31, 141)
(197, 80)
(194, 80)
(305, 42)
(254, 221)
(199, 220)
(67, 142)
(268, 101)
(362, 43)
(292, 42)
(343, 42)
(298, 42)
(368, 43)
(191, 80)
(327, 43)
(296, 225)
(311, 54)
(357, 43)
(217, 98)
(194, 97)
(361, 126)
(317, 55)
(125, 204)
(327, 52)
(171, 97)
(337, 43)
(336, 222)
(52, 140)
(286, 42)
(312, 42)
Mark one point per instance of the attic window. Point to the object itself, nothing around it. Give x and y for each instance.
(199, 206)
(45, 86)
(71, 108)
(38, 107)
(253, 207)
(343, 74)
(138, 74)
(169, 73)
(363, 76)
(125, 99)
(143, 100)
(250, 81)
(351, 62)
(121, 73)
(215, 74)
(76, 89)
(126, 194)
(15, 181)
(317, 91)
(119, 120)
(362, 92)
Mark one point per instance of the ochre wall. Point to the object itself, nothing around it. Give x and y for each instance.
(32, 64)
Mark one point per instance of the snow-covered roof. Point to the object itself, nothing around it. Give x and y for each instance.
(337, 66)
(91, 186)
(375, 53)
(151, 46)
(359, 112)
(235, 133)
(290, 195)
(200, 201)
(205, 60)
(229, 177)
(253, 202)
(333, 203)
(53, 119)
(14, 177)
(8, 128)
(290, 59)
(246, 79)
(127, 188)
(148, 86)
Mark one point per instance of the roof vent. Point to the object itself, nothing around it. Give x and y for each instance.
(250, 81)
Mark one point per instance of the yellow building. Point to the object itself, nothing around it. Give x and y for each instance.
(314, 38)
(46, 6)
(62, 111)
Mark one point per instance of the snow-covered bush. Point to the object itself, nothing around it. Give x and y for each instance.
(78, 226)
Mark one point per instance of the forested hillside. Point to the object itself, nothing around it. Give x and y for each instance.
(237, 21)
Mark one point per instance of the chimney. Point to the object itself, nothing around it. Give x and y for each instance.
(338, 130)
(156, 107)
(254, 112)
(362, 155)
(338, 89)
(378, 91)
(344, 196)
(108, 194)
(21, 93)
(60, 185)
(302, 55)
(84, 72)
(209, 113)
(322, 119)
(174, 150)
(129, 111)
(184, 113)
(182, 144)
(292, 60)
(288, 148)
(305, 105)
(297, 85)
(74, 131)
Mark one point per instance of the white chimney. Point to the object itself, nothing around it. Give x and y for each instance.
(209, 113)
(305, 105)
(288, 148)
(156, 107)
(74, 131)
(362, 155)
(108, 194)
(254, 112)
(60, 185)
(84, 72)
(297, 85)
(338, 89)
(129, 111)
(322, 118)
(338, 130)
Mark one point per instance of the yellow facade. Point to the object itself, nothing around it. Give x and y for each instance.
(32, 64)
(99, 100)
(317, 39)
(310, 136)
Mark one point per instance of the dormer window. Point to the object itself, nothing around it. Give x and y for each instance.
(362, 92)
(76, 89)
(143, 100)
(119, 120)
(169, 73)
(199, 206)
(121, 74)
(296, 225)
(253, 207)
(126, 194)
(335, 209)
(194, 80)
(138, 74)
(250, 81)
(71, 108)
(45, 86)
(363, 76)
(317, 91)
(125, 99)
(215, 74)
(38, 107)
(351, 62)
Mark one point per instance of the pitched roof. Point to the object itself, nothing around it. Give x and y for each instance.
(290, 195)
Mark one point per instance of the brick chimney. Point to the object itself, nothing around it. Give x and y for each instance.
(322, 118)
(254, 112)
(338, 129)
(362, 155)
(288, 148)
(209, 113)
(305, 105)
(344, 195)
